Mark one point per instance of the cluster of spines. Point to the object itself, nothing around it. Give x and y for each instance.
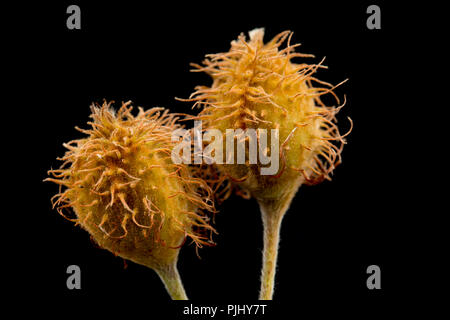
(90, 163)
(237, 78)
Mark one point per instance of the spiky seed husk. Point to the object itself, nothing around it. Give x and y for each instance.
(125, 190)
(256, 85)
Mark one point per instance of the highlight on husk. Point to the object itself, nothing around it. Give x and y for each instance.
(126, 192)
(258, 85)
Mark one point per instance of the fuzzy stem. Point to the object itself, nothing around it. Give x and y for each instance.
(272, 212)
(171, 279)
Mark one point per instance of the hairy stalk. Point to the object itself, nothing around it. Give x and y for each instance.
(272, 212)
(171, 279)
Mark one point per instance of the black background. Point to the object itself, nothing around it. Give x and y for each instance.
(331, 233)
